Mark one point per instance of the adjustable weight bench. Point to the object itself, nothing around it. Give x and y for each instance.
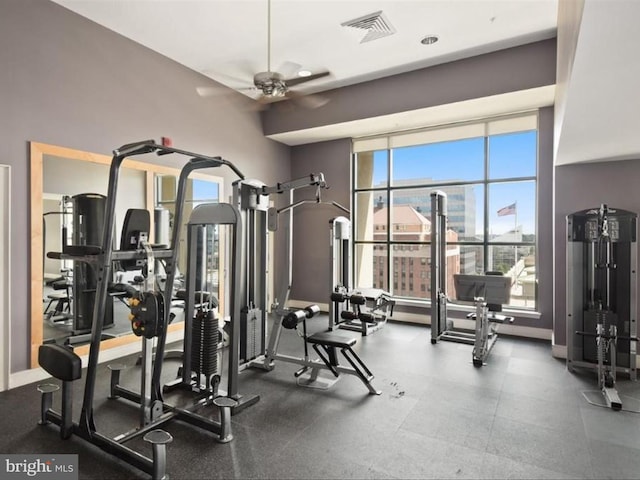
(325, 343)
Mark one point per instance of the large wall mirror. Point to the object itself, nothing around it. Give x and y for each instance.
(67, 188)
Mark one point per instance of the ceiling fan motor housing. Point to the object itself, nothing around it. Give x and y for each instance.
(272, 84)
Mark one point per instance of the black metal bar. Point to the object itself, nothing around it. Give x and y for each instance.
(123, 452)
(136, 148)
(606, 336)
(198, 420)
(103, 272)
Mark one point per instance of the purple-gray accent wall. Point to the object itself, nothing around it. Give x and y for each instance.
(519, 68)
(70, 82)
(311, 260)
(579, 187)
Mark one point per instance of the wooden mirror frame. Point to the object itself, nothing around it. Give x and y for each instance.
(37, 154)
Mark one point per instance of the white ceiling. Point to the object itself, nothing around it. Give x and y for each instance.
(602, 112)
(227, 39)
(599, 117)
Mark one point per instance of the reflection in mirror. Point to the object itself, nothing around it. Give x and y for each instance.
(67, 198)
(198, 191)
(69, 287)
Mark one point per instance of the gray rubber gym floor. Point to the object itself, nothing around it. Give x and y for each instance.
(523, 415)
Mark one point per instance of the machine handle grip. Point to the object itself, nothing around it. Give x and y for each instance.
(136, 148)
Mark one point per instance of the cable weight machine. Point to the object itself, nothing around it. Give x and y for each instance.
(601, 297)
(363, 310)
(150, 316)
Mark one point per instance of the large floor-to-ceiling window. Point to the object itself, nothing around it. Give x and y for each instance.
(487, 169)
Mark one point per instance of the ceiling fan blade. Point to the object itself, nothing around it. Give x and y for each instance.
(289, 69)
(307, 101)
(211, 91)
(298, 80)
(242, 73)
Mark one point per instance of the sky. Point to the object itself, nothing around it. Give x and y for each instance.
(510, 155)
(205, 190)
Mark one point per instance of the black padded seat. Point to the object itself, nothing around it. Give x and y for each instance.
(332, 339)
(60, 362)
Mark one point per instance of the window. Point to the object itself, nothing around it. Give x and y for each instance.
(487, 170)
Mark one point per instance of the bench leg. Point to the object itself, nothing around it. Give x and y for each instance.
(46, 401)
(66, 428)
(361, 369)
(328, 359)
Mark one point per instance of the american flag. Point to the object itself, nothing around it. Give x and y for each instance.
(508, 210)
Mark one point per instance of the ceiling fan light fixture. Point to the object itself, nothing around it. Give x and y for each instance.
(304, 73)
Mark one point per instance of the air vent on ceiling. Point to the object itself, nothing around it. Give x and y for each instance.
(375, 24)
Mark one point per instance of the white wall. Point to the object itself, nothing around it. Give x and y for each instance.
(5, 273)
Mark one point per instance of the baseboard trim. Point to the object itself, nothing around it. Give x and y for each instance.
(324, 307)
(26, 377)
(559, 351)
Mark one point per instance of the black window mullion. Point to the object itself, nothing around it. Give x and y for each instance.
(485, 247)
(390, 189)
(388, 237)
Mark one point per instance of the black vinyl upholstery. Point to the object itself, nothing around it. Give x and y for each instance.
(60, 362)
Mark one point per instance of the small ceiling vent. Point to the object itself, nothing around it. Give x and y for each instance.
(375, 24)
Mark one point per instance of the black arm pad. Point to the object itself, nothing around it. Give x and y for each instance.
(292, 319)
(128, 290)
(338, 297)
(357, 300)
(60, 362)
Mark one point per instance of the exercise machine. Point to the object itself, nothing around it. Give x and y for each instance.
(487, 292)
(441, 327)
(601, 296)
(150, 318)
(363, 310)
(327, 344)
(59, 307)
(251, 198)
(202, 333)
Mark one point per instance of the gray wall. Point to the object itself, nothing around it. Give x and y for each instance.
(67, 81)
(579, 187)
(544, 249)
(311, 261)
(519, 68)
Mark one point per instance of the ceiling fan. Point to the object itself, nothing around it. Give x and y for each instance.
(275, 85)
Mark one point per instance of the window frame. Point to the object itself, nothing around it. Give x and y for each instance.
(486, 182)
